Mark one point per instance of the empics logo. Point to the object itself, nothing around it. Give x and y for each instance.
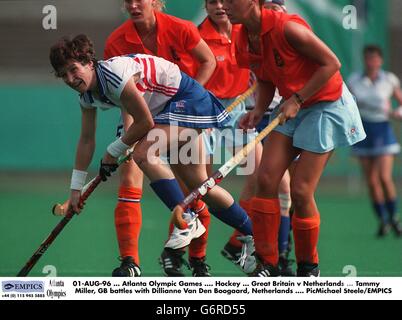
(8, 286)
(23, 286)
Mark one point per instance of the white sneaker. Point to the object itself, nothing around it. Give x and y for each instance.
(247, 261)
(182, 238)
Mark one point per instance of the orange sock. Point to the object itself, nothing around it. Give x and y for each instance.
(128, 219)
(305, 232)
(266, 221)
(246, 205)
(198, 247)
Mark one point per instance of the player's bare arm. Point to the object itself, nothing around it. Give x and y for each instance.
(86, 142)
(207, 62)
(398, 95)
(397, 113)
(135, 105)
(84, 153)
(308, 44)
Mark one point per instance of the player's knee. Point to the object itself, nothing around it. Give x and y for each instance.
(267, 182)
(373, 181)
(386, 179)
(130, 175)
(300, 193)
(194, 182)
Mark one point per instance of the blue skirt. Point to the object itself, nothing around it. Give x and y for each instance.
(193, 107)
(380, 140)
(326, 125)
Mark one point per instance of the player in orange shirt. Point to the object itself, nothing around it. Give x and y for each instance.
(318, 115)
(152, 32)
(228, 82)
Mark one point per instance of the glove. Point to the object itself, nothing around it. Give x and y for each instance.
(106, 169)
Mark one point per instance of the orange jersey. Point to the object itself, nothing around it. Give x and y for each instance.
(228, 79)
(175, 40)
(279, 63)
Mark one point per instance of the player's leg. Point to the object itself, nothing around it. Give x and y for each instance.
(172, 259)
(306, 219)
(128, 217)
(385, 163)
(285, 202)
(222, 205)
(197, 250)
(220, 202)
(127, 214)
(166, 187)
(232, 249)
(277, 155)
(371, 170)
(146, 155)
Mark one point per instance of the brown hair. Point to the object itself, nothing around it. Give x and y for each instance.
(80, 49)
(372, 48)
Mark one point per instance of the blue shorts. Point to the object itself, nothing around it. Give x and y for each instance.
(325, 126)
(380, 140)
(193, 107)
(231, 136)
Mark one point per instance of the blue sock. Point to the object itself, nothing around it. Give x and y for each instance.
(391, 207)
(236, 217)
(168, 190)
(284, 229)
(381, 211)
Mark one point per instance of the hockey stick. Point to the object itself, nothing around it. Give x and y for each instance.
(61, 209)
(60, 226)
(219, 175)
(242, 97)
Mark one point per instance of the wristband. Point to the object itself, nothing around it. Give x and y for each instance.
(78, 178)
(117, 148)
(299, 99)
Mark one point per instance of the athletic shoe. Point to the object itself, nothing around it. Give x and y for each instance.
(265, 270)
(308, 270)
(172, 261)
(231, 252)
(182, 238)
(396, 226)
(384, 229)
(247, 261)
(200, 268)
(128, 268)
(285, 265)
